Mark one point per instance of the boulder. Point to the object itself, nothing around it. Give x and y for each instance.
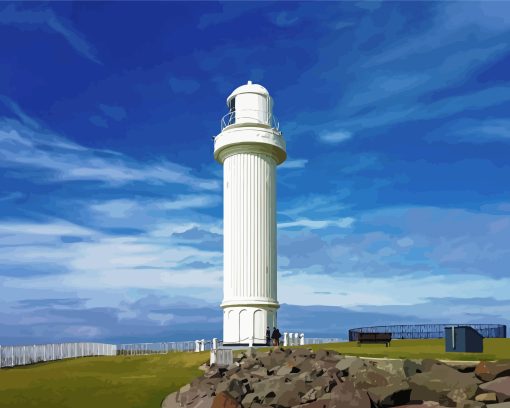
(325, 383)
(390, 395)
(287, 368)
(205, 402)
(302, 353)
(248, 363)
(441, 380)
(223, 400)
(428, 363)
(370, 377)
(345, 395)
(399, 368)
(501, 386)
(501, 405)
(289, 394)
(488, 371)
(214, 372)
(170, 401)
(356, 365)
(312, 395)
(234, 388)
(265, 389)
(424, 404)
(231, 370)
(315, 404)
(487, 397)
(260, 372)
(345, 363)
(471, 404)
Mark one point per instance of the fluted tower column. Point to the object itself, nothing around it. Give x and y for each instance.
(250, 146)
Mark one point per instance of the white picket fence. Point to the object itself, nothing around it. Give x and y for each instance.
(11, 356)
(155, 348)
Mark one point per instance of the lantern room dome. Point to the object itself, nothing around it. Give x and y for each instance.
(248, 88)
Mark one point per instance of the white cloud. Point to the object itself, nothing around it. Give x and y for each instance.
(335, 137)
(357, 290)
(23, 146)
(38, 18)
(294, 164)
(405, 242)
(317, 224)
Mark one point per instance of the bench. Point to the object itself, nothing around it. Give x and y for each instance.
(374, 338)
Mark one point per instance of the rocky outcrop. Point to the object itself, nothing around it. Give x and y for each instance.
(325, 379)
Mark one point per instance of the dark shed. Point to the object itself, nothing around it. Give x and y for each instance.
(463, 339)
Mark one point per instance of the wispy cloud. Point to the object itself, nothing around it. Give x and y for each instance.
(335, 137)
(24, 147)
(294, 164)
(45, 18)
(317, 224)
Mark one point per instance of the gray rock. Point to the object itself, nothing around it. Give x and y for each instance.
(501, 386)
(287, 369)
(326, 383)
(490, 397)
(488, 371)
(288, 394)
(315, 404)
(223, 400)
(428, 363)
(260, 372)
(356, 365)
(424, 404)
(471, 404)
(234, 388)
(345, 363)
(500, 405)
(399, 368)
(312, 395)
(370, 377)
(390, 395)
(204, 402)
(440, 380)
(302, 353)
(170, 401)
(346, 395)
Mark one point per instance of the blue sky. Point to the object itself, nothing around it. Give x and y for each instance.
(393, 205)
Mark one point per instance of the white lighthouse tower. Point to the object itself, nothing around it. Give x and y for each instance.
(250, 146)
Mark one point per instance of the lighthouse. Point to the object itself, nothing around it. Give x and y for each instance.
(249, 147)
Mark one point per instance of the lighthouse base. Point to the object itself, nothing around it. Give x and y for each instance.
(246, 325)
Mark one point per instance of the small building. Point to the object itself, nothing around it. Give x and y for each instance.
(463, 339)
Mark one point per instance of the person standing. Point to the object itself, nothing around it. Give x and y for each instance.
(268, 336)
(274, 336)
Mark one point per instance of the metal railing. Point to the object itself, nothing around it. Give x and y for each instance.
(248, 115)
(427, 331)
(11, 356)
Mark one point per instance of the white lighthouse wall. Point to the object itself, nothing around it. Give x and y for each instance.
(253, 108)
(242, 323)
(249, 228)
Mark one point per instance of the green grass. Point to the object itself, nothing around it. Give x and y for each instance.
(143, 381)
(494, 349)
(95, 382)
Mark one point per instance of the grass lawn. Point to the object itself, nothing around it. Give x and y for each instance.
(494, 349)
(96, 382)
(143, 381)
